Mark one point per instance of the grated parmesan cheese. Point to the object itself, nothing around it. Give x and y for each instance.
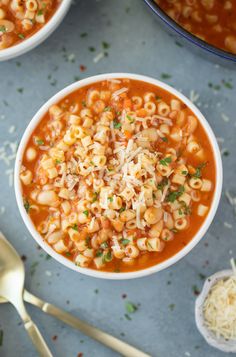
(220, 307)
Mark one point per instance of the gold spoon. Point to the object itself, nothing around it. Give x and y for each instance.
(102, 337)
(12, 276)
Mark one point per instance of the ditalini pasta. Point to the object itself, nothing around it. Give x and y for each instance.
(213, 21)
(20, 19)
(119, 175)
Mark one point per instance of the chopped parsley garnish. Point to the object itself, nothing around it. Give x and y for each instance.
(171, 307)
(40, 12)
(83, 103)
(83, 34)
(68, 254)
(92, 49)
(124, 241)
(95, 197)
(162, 184)
(130, 118)
(40, 142)
(174, 230)
(27, 206)
(21, 36)
(1, 337)
(86, 212)
(107, 109)
(198, 172)
(116, 125)
(166, 76)
(184, 173)
(33, 268)
(164, 139)
(88, 242)
(166, 161)
(57, 161)
(122, 209)
(110, 199)
(99, 253)
(130, 307)
(75, 227)
(104, 245)
(107, 257)
(172, 196)
(227, 84)
(3, 28)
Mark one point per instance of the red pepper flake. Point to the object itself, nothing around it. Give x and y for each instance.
(80, 354)
(82, 68)
(54, 338)
(124, 296)
(23, 258)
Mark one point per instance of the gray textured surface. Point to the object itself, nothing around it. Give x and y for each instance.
(164, 323)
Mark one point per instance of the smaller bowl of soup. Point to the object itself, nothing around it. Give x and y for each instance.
(208, 24)
(25, 24)
(118, 176)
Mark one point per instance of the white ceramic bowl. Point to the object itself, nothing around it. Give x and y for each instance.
(108, 275)
(39, 36)
(219, 343)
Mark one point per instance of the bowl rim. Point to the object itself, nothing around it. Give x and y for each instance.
(39, 36)
(188, 35)
(112, 275)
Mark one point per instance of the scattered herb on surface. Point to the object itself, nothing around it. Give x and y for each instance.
(40, 142)
(33, 268)
(166, 161)
(198, 172)
(75, 227)
(110, 199)
(116, 124)
(21, 36)
(83, 34)
(107, 257)
(3, 29)
(124, 241)
(86, 212)
(130, 307)
(195, 290)
(171, 307)
(164, 139)
(122, 209)
(172, 196)
(96, 291)
(1, 337)
(166, 76)
(27, 206)
(105, 45)
(20, 90)
(162, 184)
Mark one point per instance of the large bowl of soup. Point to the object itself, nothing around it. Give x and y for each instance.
(118, 176)
(208, 24)
(25, 24)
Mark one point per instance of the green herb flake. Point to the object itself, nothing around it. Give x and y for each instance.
(99, 253)
(130, 119)
(83, 103)
(184, 173)
(116, 124)
(1, 337)
(172, 196)
(96, 291)
(83, 34)
(20, 90)
(104, 245)
(68, 254)
(165, 76)
(107, 109)
(57, 162)
(86, 212)
(107, 257)
(164, 139)
(124, 241)
(105, 45)
(171, 307)
(21, 36)
(40, 142)
(227, 84)
(40, 13)
(92, 49)
(95, 197)
(33, 268)
(127, 317)
(27, 206)
(88, 242)
(122, 209)
(130, 307)
(162, 184)
(75, 227)
(198, 172)
(110, 199)
(3, 29)
(166, 161)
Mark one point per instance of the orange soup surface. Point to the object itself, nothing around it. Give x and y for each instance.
(214, 21)
(20, 19)
(118, 176)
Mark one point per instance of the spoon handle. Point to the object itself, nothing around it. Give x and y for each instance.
(37, 339)
(102, 337)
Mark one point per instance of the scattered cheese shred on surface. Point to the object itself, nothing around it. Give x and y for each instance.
(220, 307)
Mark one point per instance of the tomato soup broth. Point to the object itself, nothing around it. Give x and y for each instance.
(118, 176)
(20, 19)
(214, 21)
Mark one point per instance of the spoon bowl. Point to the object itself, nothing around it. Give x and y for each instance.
(12, 277)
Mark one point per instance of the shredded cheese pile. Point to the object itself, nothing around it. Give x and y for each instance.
(220, 308)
